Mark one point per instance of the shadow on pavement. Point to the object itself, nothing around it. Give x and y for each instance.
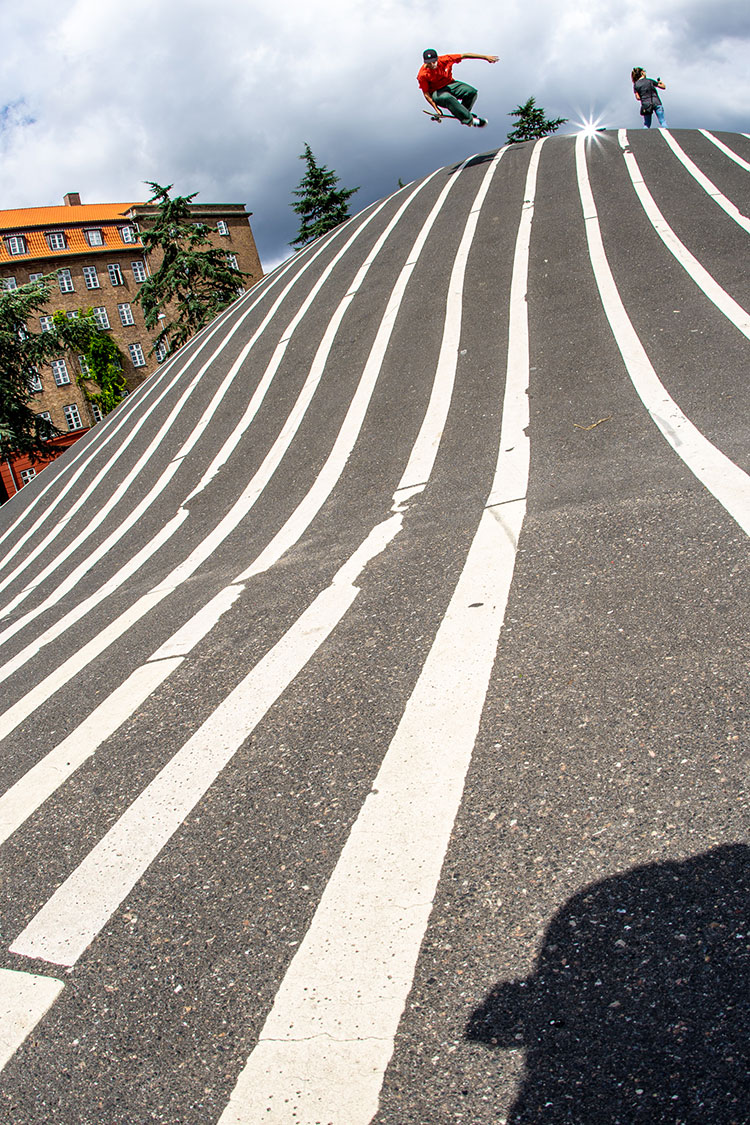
(638, 1009)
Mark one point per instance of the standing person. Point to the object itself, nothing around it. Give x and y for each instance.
(645, 92)
(435, 80)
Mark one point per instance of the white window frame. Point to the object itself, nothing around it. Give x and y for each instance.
(94, 236)
(139, 271)
(101, 316)
(161, 351)
(136, 355)
(232, 259)
(222, 228)
(46, 323)
(72, 413)
(65, 281)
(27, 475)
(34, 277)
(115, 274)
(126, 314)
(15, 244)
(35, 382)
(91, 277)
(127, 234)
(60, 372)
(56, 239)
(96, 410)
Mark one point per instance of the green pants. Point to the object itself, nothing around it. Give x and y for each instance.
(457, 98)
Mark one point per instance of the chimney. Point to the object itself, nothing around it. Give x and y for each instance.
(72, 199)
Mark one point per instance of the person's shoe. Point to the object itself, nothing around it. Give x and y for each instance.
(479, 122)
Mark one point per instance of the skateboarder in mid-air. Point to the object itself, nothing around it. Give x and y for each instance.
(435, 80)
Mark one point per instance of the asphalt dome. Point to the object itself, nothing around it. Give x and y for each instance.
(373, 728)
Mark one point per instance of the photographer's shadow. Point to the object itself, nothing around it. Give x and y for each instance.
(638, 1008)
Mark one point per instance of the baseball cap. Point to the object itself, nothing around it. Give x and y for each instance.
(429, 55)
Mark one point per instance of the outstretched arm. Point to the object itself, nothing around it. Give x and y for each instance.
(486, 58)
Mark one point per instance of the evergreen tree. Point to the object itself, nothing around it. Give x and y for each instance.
(193, 281)
(532, 123)
(321, 206)
(22, 354)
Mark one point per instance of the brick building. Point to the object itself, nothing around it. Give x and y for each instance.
(95, 252)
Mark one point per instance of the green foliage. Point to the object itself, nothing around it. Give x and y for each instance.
(102, 356)
(532, 123)
(22, 354)
(193, 281)
(320, 205)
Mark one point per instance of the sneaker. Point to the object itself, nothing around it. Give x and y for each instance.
(479, 122)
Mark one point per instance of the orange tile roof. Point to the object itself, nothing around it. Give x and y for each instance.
(25, 217)
(33, 222)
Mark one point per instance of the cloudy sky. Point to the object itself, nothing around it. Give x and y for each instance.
(220, 96)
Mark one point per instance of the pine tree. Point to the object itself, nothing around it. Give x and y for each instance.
(321, 206)
(22, 354)
(532, 123)
(193, 281)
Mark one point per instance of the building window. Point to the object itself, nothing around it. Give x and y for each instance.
(72, 314)
(10, 283)
(100, 316)
(83, 363)
(15, 244)
(65, 281)
(45, 323)
(35, 277)
(27, 475)
(136, 354)
(72, 416)
(60, 371)
(127, 234)
(126, 315)
(56, 240)
(139, 271)
(232, 259)
(222, 227)
(35, 382)
(115, 274)
(94, 237)
(91, 277)
(96, 410)
(160, 351)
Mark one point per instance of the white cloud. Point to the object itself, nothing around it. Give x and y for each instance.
(219, 96)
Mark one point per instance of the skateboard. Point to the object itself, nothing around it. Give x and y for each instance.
(444, 117)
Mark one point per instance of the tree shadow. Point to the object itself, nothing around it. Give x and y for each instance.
(637, 1010)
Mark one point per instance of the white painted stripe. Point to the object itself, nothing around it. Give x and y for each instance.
(329, 475)
(698, 273)
(40, 782)
(422, 459)
(329, 1037)
(73, 916)
(83, 608)
(723, 479)
(725, 149)
(708, 186)
(43, 779)
(24, 998)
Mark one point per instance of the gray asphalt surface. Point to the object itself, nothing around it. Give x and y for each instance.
(587, 952)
